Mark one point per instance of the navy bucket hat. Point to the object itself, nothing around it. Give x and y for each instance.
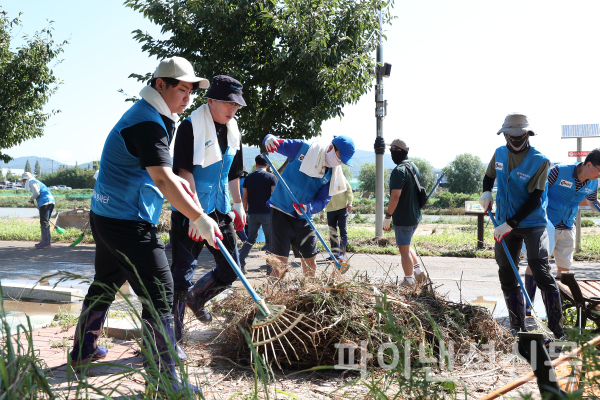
(225, 88)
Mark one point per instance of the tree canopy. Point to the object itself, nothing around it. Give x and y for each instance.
(27, 83)
(367, 177)
(300, 61)
(37, 169)
(27, 167)
(464, 174)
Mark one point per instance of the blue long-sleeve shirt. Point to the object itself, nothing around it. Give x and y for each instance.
(290, 149)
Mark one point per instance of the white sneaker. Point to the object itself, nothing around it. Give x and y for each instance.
(406, 283)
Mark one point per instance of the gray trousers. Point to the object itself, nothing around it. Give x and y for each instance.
(537, 245)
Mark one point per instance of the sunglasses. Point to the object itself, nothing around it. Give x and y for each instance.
(232, 104)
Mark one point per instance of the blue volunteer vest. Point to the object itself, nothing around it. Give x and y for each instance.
(123, 190)
(563, 200)
(45, 196)
(212, 183)
(304, 187)
(512, 188)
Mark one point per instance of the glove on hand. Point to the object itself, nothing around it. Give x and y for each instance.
(387, 222)
(185, 184)
(30, 201)
(240, 216)
(486, 200)
(272, 143)
(297, 208)
(501, 231)
(205, 228)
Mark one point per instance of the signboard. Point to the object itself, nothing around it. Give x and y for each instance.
(578, 153)
(584, 205)
(580, 131)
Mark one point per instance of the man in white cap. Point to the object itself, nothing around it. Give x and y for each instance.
(208, 153)
(521, 173)
(136, 175)
(405, 209)
(45, 203)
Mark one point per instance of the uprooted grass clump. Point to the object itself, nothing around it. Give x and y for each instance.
(338, 311)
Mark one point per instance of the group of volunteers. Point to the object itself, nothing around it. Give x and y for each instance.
(529, 194)
(137, 175)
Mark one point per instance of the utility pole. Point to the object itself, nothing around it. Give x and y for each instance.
(381, 70)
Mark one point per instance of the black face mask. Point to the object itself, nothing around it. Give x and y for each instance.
(399, 155)
(517, 146)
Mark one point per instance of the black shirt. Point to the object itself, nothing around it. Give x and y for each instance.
(149, 142)
(183, 153)
(258, 185)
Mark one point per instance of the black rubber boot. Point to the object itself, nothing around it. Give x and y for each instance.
(178, 314)
(162, 371)
(553, 304)
(205, 289)
(530, 287)
(516, 311)
(85, 340)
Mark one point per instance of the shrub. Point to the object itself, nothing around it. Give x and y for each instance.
(454, 200)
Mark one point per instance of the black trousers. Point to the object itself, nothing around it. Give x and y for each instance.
(537, 245)
(185, 251)
(123, 247)
(45, 214)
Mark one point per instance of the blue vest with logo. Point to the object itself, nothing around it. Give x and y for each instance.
(512, 188)
(212, 183)
(45, 196)
(563, 199)
(123, 190)
(304, 187)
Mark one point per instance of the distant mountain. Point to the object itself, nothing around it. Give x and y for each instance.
(46, 164)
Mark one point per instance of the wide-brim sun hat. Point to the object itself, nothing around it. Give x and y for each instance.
(516, 124)
(181, 69)
(26, 176)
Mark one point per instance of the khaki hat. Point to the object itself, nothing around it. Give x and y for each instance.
(179, 68)
(26, 176)
(399, 143)
(516, 124)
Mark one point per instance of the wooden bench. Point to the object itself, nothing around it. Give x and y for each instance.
(584, 295)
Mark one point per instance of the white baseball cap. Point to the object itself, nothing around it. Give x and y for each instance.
(181, 69)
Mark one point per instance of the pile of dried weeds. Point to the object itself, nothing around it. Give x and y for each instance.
(339, 310)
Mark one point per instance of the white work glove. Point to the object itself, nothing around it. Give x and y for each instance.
(501, 231)
(272, 143)
(185, 184)
(205, 228)
(486, 200)
(240, 216)
(387, 222)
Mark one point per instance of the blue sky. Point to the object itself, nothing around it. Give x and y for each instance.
(458, 67)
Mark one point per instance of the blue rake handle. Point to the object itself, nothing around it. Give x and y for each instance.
(259, 302)
(512, 264)
(337, 264)
(436, 185)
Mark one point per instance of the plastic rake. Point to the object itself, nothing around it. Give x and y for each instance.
(272, 322)
(342, 267)
(541, 325)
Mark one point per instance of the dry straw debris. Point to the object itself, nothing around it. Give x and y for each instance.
(341, 310)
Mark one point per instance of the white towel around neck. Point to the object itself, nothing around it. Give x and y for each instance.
(206, 144)
(314, 166)
(152, 96)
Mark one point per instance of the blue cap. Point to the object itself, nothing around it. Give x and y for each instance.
(345, 145)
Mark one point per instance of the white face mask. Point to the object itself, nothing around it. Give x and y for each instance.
(331, 159)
